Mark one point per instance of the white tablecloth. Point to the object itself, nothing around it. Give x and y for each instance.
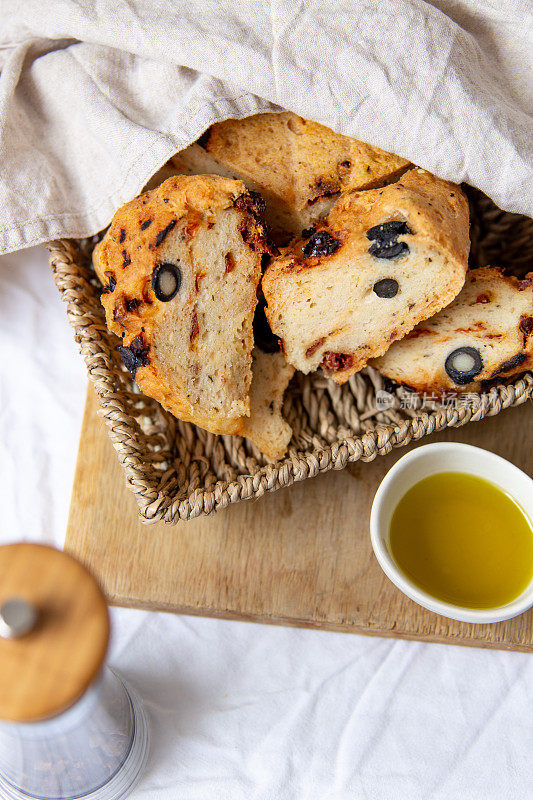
(243, 711)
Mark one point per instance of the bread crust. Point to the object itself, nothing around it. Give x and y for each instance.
(299, 166)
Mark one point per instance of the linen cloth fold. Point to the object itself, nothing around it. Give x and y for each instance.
(95, 96)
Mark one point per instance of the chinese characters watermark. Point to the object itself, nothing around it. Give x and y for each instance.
(414, 401)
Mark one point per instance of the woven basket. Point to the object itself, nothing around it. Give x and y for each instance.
(178, 471)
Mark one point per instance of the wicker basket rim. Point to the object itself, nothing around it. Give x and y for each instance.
(337, 455)
(155, 505)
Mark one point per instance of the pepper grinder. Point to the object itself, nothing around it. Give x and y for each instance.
(70, 727)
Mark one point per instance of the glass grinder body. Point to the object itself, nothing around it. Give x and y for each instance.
(70, 727)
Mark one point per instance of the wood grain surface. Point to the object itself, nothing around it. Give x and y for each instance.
(49, 668)
(301, 556)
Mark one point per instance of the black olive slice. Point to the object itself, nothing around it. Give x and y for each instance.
(388, 251)
(385, 239)
(386, 287)
(388, 231)
(134, 356)
(166, 281)
(463, 364)
(513, 362)
(112, 282)
(321, 243)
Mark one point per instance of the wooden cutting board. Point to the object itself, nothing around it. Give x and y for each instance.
(300, 556)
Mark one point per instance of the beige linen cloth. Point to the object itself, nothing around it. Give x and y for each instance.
(95, 95)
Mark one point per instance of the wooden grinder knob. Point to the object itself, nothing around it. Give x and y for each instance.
(54, 631)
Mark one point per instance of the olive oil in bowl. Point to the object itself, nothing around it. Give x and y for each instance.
(462, 540)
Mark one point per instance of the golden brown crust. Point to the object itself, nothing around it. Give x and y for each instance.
(329, 163)
(438, 207)
(297, 163)
(129, 251)
(125, 261)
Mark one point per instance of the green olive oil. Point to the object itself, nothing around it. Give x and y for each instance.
(463, 540)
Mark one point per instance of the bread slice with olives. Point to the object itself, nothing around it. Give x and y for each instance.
(381, 262)
(485, 335)
(265, 426)
(181, 265)
(298, 166)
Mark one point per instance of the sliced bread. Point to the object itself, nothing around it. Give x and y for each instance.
(265, 426)
(382, 261)
(298, 166)
(486, 334)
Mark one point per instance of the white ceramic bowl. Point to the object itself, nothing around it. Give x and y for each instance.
(419, 464)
